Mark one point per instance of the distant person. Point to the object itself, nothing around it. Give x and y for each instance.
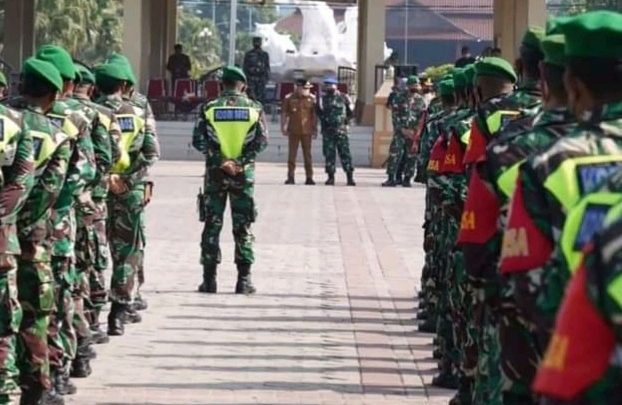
(4, 84)
(496, 52)
(299, 125)
(257, 70)
(466, 58)
(178, 65)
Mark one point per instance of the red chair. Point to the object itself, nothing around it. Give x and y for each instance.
(182, 87)
(211, 89)
(183, 103)
(285, 88)
(343, 88)
(156, 94)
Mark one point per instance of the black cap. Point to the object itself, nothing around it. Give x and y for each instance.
(303, 83)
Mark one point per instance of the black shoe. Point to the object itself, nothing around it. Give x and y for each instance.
(455, 400)
(244, 284)
(389, 183)
(209, 284)
(63, 385)
(98, 336)
(115, 320)
(140, 304)
(310, 182)
(331, 180)
(437, 354)
(350, 178)
(81, 368)
(406, 182)
(427, 327)
(422, 316)
(445, 380)
(51, 397)
(31, 396)
(131, 315)
(290, 180)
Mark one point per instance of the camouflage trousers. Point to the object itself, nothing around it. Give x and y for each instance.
(336, 143)
(97, 261)
(62, 339)
(35, 283)
(243, 214)
(127, 241)
(399, 153)
(10, 319)
(257, 88)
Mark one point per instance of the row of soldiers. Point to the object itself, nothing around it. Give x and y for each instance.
(522, 281)
(73, 187)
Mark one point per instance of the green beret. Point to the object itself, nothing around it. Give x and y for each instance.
(233, 73)
(44, 71)
(60, 58)
(597, 34)
(86, 76)
(552, 25)
(446, 88)
(532, 38)
(3, 81)
(495, 67)
(469, 73)
(110, 73)
(553, 47)
(412, 80)
(459, 78)
(125, 63)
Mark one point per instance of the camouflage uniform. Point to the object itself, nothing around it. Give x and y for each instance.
(68, 115)
(257, 70)
(490, 197)
(406, 108)
(219, 186)
(35, 279)
(538, 212)
(334, 113)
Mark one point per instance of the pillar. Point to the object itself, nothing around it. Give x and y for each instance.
(371, 37)
(19, 32)
(511, 20)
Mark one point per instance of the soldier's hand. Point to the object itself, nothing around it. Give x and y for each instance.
(230, 167)
(148, 193)
(409, 133)
(285, 133)
(117, 185)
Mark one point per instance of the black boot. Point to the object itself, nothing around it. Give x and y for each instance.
(390, 182)
(209, 284)
(140, 304)
(62, 383)
(290, 180)
(31, 396)
(310, 182)
(427, 326)
(350, 177)
(406, 182)
(422, 316)
(99, 336)
(81, 367)
(131, 315)
(115, 319)
(51, 397)
(244, 284)
(445, 380)
(331, 179)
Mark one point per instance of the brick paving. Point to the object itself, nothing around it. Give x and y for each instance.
(337, 270)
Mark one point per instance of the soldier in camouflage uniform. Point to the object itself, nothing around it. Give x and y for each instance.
(257, 70)
(408, 109)
(552, 182)
(68, 114)
(139, 150)
(335, 112)
(35, 280)
(230, 132)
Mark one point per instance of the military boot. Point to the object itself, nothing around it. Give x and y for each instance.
(98, 336)
(290, 180)
(62, 383)
(51, 397)
(131, 315)
(428, 326)
(390, 182)
(115, 320)
(81, 367)
(350, 177)
(331, 179)
(422, 316)
(445, 379)
(406, 182)
(209, 284)
(244, 284)
(31, 396)
(139, 304)
(310, 181)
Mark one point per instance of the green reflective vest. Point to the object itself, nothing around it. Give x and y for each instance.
(507, 180)
(65, 125)
(8, 130)
(232, 125)
(44, 145)
(132, 131)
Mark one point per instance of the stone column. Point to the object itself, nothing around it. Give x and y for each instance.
(19, 32)
(511, 20)
(371, 37)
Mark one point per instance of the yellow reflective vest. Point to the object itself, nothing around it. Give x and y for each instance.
(231, 126)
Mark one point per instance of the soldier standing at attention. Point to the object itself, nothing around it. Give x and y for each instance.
(231, 133)
(335, 111)
(299, 125)
(257, 70)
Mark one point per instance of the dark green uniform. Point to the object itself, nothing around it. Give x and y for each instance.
(335, 112)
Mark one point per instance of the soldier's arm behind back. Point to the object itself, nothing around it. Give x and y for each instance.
(19, 177)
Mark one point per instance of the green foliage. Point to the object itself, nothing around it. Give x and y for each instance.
(201, 41)
(436, 72)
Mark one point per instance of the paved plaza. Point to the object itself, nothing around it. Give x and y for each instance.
(332, 323)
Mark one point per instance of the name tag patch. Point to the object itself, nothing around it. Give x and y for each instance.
(2, 137)
(592, 176)
(232, 114)
(126, 124)
(593, 219)
(37, 144)
(57, 121)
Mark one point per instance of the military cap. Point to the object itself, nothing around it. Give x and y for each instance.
(597, 34)
(43, 70)
(60, 58)
(125, 62)
(330, 80)
(85, 74)
(446, 87)
(469, 74)
(233, 73)
(303, 83)
(553, 47)
(495, 67)
(532, 38)
(110, 73)
(412, 80)
(459, 78)
(3, 81)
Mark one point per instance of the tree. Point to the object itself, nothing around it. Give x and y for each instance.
(201, 41)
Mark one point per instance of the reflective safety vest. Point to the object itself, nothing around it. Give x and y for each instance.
(232, 126)
(132, 136)
(583, 222)
(578, 176)
(44, 145)
(65, 125)
(8, 130)
(507, 180)
(104, 120)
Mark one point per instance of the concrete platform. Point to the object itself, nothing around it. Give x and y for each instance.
(337, 269)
